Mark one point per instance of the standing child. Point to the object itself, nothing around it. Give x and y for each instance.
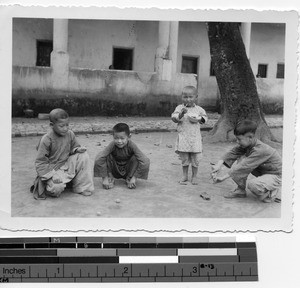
(188, 145)
(251, 156)
(60, 160)
(121, 159)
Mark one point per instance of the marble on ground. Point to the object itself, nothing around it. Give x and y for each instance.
(160, 196)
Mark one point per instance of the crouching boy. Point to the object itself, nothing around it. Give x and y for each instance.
(60, 160)
(251, 156)
(121, 159)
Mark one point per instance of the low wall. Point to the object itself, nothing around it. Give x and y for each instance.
(96, 92)
(271, 93)
(117, 93)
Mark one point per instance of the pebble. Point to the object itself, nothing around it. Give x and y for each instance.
(118, 201)
(169, 146)
(156, 144)
(98, 213)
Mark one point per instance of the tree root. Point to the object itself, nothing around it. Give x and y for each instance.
(221, 132)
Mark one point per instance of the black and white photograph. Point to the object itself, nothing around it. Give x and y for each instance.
(137, 117)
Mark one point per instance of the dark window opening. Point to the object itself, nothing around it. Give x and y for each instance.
(212, 70)
(189, 65)
(280, 71)
(262, 71)
(122, 59)
(44, 49)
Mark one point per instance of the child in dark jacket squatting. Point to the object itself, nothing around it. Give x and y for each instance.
(121, 159)
(251, 156)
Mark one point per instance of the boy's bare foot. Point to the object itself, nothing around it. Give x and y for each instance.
(237, 193)
(111, 183)
(131, 183)
(183, 181)
(194, 181)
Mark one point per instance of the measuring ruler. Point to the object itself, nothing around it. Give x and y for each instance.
(127, 259)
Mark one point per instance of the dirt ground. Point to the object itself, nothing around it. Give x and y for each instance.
(160, 196)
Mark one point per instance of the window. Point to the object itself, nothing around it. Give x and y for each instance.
(280, 71)
(212, 71)
(122, 58)
(189, 65)
(44, 49)
(262, 71)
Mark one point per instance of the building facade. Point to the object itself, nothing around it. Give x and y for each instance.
(116, 67)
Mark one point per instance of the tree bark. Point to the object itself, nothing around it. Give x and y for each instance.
(236, 82)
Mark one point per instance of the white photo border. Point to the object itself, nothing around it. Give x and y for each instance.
(149, 225)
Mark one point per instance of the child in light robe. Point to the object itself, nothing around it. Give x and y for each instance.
(188, 117)
(61, 160)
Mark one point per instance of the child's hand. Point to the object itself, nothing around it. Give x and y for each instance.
(201, 120)
(131, 184)
(183, 110)
(216, 167)
(56, 179)
(81, 149)
(174, 119)
(216, 178)
(106, 183)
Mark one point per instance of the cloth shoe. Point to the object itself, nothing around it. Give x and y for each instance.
(271, 196)
(86, 193)
(237, 193)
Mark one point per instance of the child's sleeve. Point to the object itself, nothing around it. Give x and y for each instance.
(175, 114)
(231, 156)
(74, 143)
(203, 115)
(100, 165)
(144, 162)
(243, 168)
(43, 166)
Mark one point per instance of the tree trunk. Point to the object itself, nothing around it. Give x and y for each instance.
(236, 82)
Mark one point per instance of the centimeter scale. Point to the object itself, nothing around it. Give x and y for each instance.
(127, 259)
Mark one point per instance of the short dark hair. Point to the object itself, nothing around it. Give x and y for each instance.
(121, 127)
(191, 88)
(57, 114)
(245, 126)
